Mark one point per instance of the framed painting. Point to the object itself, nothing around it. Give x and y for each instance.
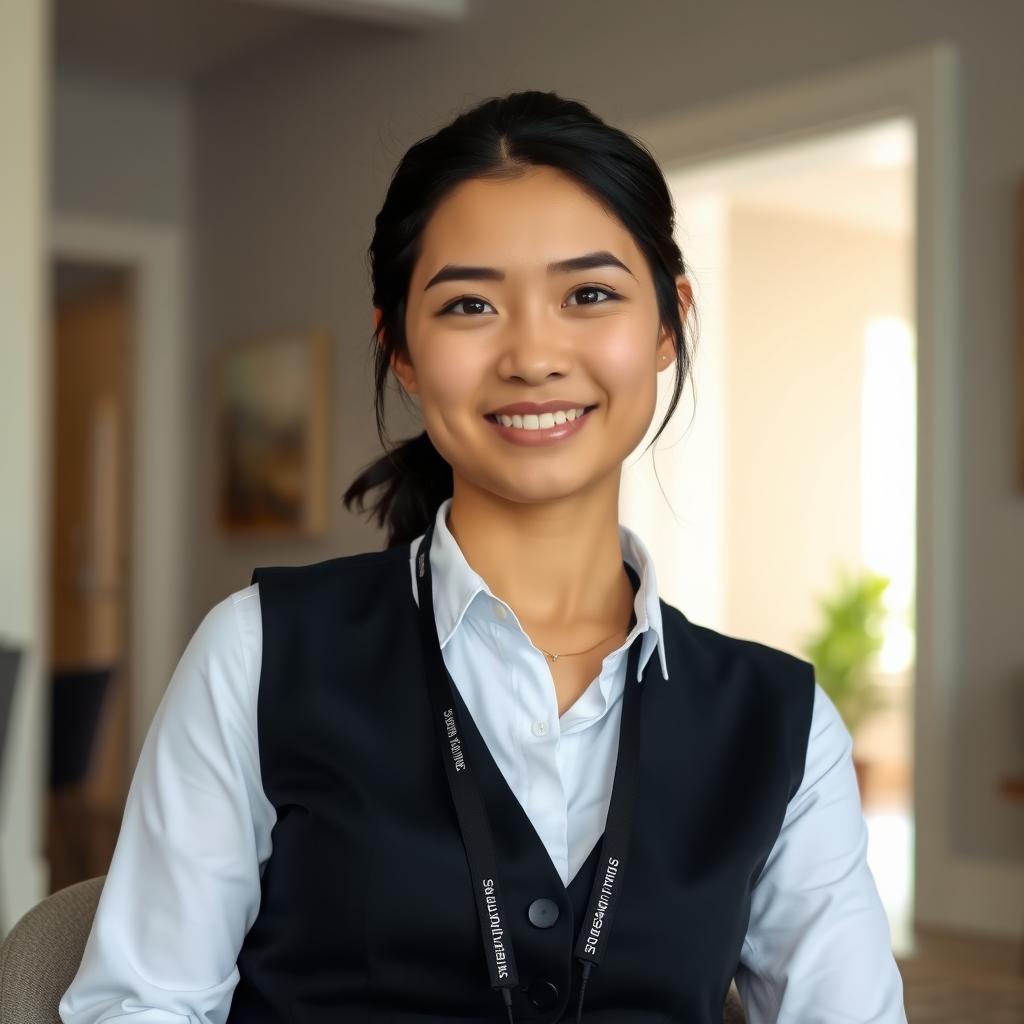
(272, 435)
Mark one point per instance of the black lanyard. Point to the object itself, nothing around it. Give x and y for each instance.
(472, 815)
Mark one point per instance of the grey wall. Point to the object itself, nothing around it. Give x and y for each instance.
(120, 150)
(292, 160)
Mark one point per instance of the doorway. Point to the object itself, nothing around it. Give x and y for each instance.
(799, 462)
(920, 85)
(92, 364)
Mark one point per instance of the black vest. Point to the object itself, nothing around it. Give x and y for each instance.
(367, 911)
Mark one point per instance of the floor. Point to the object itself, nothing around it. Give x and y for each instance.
(947, 978)
(941, 992)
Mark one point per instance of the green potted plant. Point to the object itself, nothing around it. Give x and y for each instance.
(843, 649)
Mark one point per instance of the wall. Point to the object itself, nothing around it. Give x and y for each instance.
(802, 292)
(24, 368)
(120, 149)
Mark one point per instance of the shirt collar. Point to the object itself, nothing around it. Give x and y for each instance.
(457, 586)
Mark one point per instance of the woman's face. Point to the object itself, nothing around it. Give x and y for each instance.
(482, 339)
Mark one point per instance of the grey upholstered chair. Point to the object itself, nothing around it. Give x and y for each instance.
(41, 953)
(40, 956)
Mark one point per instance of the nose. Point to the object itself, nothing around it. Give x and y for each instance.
(533, 350)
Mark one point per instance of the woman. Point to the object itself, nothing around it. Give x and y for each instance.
(487, 773)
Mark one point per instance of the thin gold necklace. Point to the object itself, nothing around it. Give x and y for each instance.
(555, 657)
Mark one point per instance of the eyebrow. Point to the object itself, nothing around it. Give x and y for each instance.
(588, 261)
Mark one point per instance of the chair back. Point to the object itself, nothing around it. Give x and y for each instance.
(733, 1010)
(40, 955)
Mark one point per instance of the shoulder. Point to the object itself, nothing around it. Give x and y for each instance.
(226, 624)
(313, 595)
(214, 683)
(237, 617)
(722, 653)
(313, 576)
(352, 578)
(765, 684)
(830, 739)
(231, 622)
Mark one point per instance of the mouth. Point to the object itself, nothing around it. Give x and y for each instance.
(493, 417)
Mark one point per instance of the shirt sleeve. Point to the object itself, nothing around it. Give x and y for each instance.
(818, 948)
(183, 886)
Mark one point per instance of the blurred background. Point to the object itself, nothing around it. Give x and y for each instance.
(187, 192)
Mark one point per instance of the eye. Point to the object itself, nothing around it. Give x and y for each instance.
(451, 305)
(612, 296)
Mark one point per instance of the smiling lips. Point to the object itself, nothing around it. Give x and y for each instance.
(539, 421)
(544, 428)
(524, 408)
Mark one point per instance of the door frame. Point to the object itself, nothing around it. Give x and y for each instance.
(161, 444)
(951, 890)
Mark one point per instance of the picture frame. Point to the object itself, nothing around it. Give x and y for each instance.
(271, 425)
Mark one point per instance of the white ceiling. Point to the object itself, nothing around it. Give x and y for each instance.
(182, 40)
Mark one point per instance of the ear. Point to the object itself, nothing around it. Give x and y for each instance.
(400, 366)
(666, 351)
(685, 295)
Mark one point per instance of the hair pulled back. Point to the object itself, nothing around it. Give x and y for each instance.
(500, 139)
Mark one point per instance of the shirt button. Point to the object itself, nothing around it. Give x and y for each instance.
(539, 728)
(499, 610)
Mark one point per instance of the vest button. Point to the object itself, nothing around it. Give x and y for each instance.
(543, 913)
(543, 994)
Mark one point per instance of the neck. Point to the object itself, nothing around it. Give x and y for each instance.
(557, 564)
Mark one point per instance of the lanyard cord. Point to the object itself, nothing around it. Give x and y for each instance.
(475, 829)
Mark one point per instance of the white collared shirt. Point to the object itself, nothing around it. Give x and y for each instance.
(183, 886)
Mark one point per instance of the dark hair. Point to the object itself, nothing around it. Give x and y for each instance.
(500, 139)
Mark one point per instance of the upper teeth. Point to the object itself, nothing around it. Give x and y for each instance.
(543, 421)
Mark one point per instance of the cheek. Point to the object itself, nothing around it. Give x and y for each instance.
(450, 375)
(624, 365)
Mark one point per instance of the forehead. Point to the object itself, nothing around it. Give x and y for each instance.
(521, 224)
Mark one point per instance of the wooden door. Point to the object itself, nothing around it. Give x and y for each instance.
(90, 545)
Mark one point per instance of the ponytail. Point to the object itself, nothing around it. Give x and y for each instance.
(414, 480)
